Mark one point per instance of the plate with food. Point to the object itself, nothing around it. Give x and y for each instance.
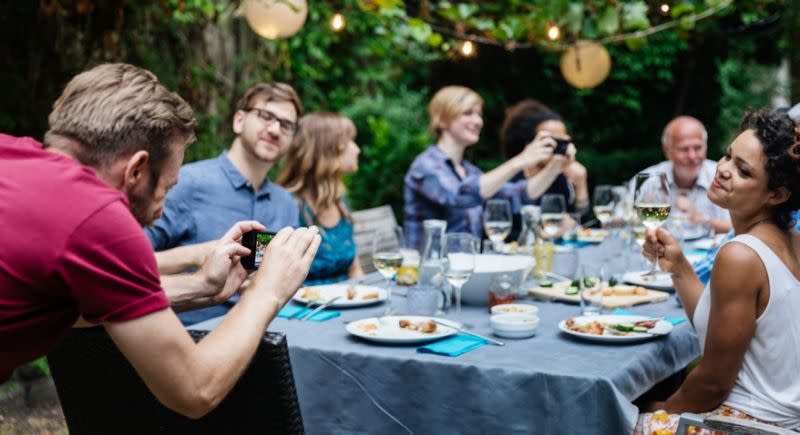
(615, 294)
(615, 328)
(660, 281)
(401, 329)
(350, 295)
(591, 235)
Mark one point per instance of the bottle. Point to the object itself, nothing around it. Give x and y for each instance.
(432, 263)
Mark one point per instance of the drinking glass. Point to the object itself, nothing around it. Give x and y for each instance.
(387, 257)
(497, 221)
(603, 204)
(652, 204)
(591, 282)
(460, 250)
(553, 208)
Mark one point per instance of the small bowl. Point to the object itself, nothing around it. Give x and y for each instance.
(515, 325)
(515, 309)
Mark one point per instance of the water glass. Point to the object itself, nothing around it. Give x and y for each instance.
(591, 285)
(425, 300)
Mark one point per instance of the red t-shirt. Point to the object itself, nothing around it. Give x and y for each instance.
(69, 246)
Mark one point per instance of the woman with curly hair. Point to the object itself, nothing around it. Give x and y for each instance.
(323, 150)
(747, 316)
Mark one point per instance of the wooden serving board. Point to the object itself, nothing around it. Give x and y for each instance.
(556, 293)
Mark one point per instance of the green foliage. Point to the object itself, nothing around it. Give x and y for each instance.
(392, 130)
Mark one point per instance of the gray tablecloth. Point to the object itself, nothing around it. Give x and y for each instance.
(550, 383)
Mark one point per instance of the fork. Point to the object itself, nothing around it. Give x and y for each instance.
(320, 308)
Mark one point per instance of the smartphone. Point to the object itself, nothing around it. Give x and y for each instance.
(256, 242)
(561, 146)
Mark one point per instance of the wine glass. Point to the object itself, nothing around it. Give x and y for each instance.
(652, 204)
(387, 257)
(603, 204)
(459, 249)
(497, 221)
(553, 208)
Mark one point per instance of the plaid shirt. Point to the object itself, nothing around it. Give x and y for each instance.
(434, 190)
(703, 267)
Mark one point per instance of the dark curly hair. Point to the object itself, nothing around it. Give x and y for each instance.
(780, 141)
(520, 123)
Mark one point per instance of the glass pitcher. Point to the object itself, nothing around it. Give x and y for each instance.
(529, 215)
(432, 264)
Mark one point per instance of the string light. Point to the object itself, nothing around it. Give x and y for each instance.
(664, 8)
(337, 22)
(468, 49)
(553, 32)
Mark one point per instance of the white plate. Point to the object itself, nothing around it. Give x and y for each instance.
(662, 327)
(662, 281)
(389, 331)
(329, 291)
(592, 235)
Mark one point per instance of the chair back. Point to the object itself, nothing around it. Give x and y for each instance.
(100, 392)
(365, 222)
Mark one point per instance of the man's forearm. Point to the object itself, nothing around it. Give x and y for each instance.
(187, 291)
(182, 258)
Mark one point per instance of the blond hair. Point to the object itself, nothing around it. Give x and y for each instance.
(266, 92)
(312, 167)
(114, 110)
(448, 104)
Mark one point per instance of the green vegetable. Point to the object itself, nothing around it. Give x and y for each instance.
(612, 282)
(545, 283)
(571, 290)
(589, 282)
(639, 329)
(625, 327)
(575, 283)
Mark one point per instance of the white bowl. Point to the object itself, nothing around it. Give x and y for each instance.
(515, 308)
(487, 266)
(515, 325)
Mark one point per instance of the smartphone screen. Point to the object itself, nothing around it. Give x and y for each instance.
(256, 242)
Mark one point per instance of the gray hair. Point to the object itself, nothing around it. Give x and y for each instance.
(666, 135)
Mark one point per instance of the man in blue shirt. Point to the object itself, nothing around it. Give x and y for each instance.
(212, 195)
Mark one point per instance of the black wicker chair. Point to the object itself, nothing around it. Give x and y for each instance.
(101, 393)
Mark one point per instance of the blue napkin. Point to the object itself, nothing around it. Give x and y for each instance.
(453, 346)
(575, 243)
(670, 319)
(293, 311)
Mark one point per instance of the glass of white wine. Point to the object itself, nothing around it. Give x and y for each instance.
(387, 257)
(652, 204)
(605, 199)
(553, 209)
(497, 221)
(460, 250)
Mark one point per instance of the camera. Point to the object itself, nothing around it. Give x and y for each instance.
(256, 242)
(561, 146)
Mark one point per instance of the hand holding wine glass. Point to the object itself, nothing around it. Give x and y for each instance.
(387, 257)
(652, 204)
(497, 221)
(460, 250)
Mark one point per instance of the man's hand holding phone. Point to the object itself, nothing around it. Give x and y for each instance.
(221, 269)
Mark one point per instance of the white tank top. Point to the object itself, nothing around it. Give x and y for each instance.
(768, 384)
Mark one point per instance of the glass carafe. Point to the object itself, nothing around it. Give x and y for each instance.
(432, 264)
(529, 215)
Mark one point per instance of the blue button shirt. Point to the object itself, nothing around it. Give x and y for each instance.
(211, 196)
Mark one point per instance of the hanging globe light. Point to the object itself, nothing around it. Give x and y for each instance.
(585, 64)
(275, 19)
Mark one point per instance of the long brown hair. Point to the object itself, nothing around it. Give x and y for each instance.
(312, 169)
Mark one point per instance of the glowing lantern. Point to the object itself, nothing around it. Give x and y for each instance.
(275, 19)
(585, 64)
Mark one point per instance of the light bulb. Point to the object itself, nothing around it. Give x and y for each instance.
(553, 32)
(664, 9)
(467, 48)
(337, 22)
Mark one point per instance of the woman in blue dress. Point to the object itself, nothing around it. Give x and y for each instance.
(324, 150)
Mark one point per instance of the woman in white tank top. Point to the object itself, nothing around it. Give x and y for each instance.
(748, 317)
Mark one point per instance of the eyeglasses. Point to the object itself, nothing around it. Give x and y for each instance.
(287, 127)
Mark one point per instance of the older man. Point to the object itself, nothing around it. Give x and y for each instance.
(689, 172)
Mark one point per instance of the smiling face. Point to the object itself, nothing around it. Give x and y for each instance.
(263, 140)
(465, 129)
(740, 184)
(686, 148)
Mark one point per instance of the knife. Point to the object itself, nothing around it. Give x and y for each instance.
(320, 308)
(464, 331)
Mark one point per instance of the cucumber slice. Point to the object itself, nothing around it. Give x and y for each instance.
(640, 329)
(575, 283)
(571, 290)
(589, 282)
(612, 282)
(545, 283)
(625, 327)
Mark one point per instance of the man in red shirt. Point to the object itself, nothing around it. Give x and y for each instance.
(73, 247)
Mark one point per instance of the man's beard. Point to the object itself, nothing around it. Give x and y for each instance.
(139, 205)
